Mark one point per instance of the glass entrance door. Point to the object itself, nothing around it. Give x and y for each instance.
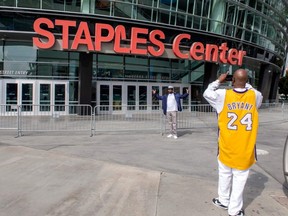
(36, 96)
(110, 97)
(53, 96)
(120, 97)
(19, 93)
(45, 97)
(27, 97)
(11, 96)
(131, 97)
(117, 97)
(59, 97)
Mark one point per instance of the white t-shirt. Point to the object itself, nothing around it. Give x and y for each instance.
(171, 103)
(216, 96)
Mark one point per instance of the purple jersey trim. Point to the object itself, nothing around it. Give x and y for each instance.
(240, 91)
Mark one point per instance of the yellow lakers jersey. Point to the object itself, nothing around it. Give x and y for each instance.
(238, 125)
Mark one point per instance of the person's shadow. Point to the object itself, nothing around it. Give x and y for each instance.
(254, 186)
(184, 132)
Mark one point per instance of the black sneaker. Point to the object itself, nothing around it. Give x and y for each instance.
(240, 213)
(217, 203)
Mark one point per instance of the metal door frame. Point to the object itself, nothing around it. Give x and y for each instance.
(36, 92)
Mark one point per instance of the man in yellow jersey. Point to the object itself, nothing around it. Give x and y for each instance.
(237, 110)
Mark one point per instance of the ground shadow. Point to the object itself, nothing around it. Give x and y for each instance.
(184, 132)
(254, 186)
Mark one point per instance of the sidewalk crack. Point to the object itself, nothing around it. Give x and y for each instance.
(158, 193)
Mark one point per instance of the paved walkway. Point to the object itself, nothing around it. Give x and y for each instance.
(141, 174)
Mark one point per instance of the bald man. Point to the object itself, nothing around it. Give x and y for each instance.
(237, 111)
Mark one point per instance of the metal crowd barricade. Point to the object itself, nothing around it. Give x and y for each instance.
(126, 118)
(55, 118)
(9, 117)
(271, 107)
(194, 116)
(79, 118)
(198, 116)
(272, 112)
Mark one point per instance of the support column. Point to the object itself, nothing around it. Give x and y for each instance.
(85, 78)
(274, 86)
(210, 75)
(265, 80)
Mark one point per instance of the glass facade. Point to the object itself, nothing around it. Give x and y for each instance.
(261, 22)
(140, 69)
(24, 60)
(20, 59)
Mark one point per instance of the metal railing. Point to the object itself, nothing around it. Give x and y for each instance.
(84, 118)
(9, 117)
(46, 118)
(127, 118)
(273, 112)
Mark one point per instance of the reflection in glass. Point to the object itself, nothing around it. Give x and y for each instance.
(185, 101)
(136, 72)
(53, 56)
(73, 91)
(123, 10)
(27, 97)
(28, 3)
(110, 66)
(142, 97)
(11, 96)
(1, 51)
(104, 97)
(61, 70)
(19, 58)
(117, 97)
(177, 89)
(195, 94)
(131, 97)
(73, 5)
(45, 70)
(8, 3)
(155, 101)
(53, 5)
(45, 95)
(102, 7)
(74, 65)
(159, 69)
(59, 96)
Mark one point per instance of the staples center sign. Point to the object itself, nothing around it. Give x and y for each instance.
(142, 42)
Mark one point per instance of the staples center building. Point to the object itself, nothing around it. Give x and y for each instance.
(114, 52)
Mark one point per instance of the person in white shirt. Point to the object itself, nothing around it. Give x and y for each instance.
(171, 105)
(237, 111)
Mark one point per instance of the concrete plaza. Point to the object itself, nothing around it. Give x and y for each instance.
(134, 174)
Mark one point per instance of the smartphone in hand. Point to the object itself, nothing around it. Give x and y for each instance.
(229, 77)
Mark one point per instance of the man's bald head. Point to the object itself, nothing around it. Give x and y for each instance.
(240, 78)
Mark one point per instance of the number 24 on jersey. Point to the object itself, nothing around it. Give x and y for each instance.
(245, 121)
